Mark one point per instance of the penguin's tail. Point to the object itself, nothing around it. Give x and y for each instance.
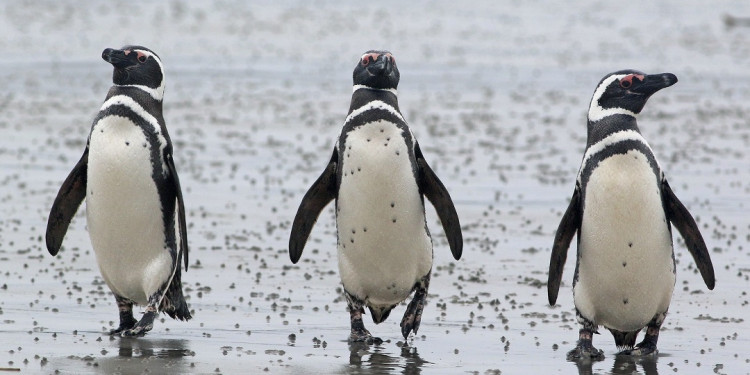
(379, 314)
(624, 340)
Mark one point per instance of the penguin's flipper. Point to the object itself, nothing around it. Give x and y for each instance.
(69, 198)
(322, 192)
(180, 208)
(432, 188)
(679, 216)
(569, 225)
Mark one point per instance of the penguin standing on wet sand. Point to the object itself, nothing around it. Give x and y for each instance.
(134, 205)
(621, 210)
(379, 178)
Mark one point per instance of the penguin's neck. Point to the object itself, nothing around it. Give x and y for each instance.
(598, 130)
(151, 105)
(363, 95)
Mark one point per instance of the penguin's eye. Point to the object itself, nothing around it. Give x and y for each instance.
(627, 81)
(393, 59)
(368, 58)
(142, 57)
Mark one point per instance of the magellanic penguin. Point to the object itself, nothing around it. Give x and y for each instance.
(621, 209)
(134, 205)
(379, 178)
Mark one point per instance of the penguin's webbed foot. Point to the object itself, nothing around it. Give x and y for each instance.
(648, 345)
(122, 328)
(127, 321)
(142, 327)
(585, 350)
(360, 334)
(413, 316)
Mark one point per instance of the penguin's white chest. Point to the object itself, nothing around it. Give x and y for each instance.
(125, 219)
(626, 270)
(383, 244)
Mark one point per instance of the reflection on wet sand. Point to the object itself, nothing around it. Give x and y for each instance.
(136, 355)
(622, 365)
(373, 359)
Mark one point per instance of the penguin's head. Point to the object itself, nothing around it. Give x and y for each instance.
(377, 70)
(626, 92)
(137, 66)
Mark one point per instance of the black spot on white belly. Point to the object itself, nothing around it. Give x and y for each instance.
(394, 219)
(393, 204)
(630, 244)
(625, 301)
(624, 264)
(364, 229)
(127, 143)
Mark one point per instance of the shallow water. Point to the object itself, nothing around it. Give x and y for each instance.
(496, 95)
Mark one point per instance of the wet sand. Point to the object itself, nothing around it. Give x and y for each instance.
(496, 94)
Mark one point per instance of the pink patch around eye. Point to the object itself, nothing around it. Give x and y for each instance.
(627, 81)
(141, 54)
(366, 58)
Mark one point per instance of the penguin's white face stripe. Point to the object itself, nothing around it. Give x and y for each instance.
(358, 87)
(375, 104)
(596, 112)
(614, 138)
(157, 93)
(135, 107)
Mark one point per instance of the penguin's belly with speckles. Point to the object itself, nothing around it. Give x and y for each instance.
(626, 270)
(125, 219)
(384, 248)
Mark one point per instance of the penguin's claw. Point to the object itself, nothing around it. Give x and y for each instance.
(142, 327)
(119, 330)
(135, 332)
(641, 350)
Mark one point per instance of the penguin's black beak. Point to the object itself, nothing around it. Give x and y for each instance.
(654, 82)
(118, 58)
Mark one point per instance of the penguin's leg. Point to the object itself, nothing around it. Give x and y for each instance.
(147, 321)
(127, 321)
(359, 332)
(584, 348)
(413, 316)
(648, 345)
